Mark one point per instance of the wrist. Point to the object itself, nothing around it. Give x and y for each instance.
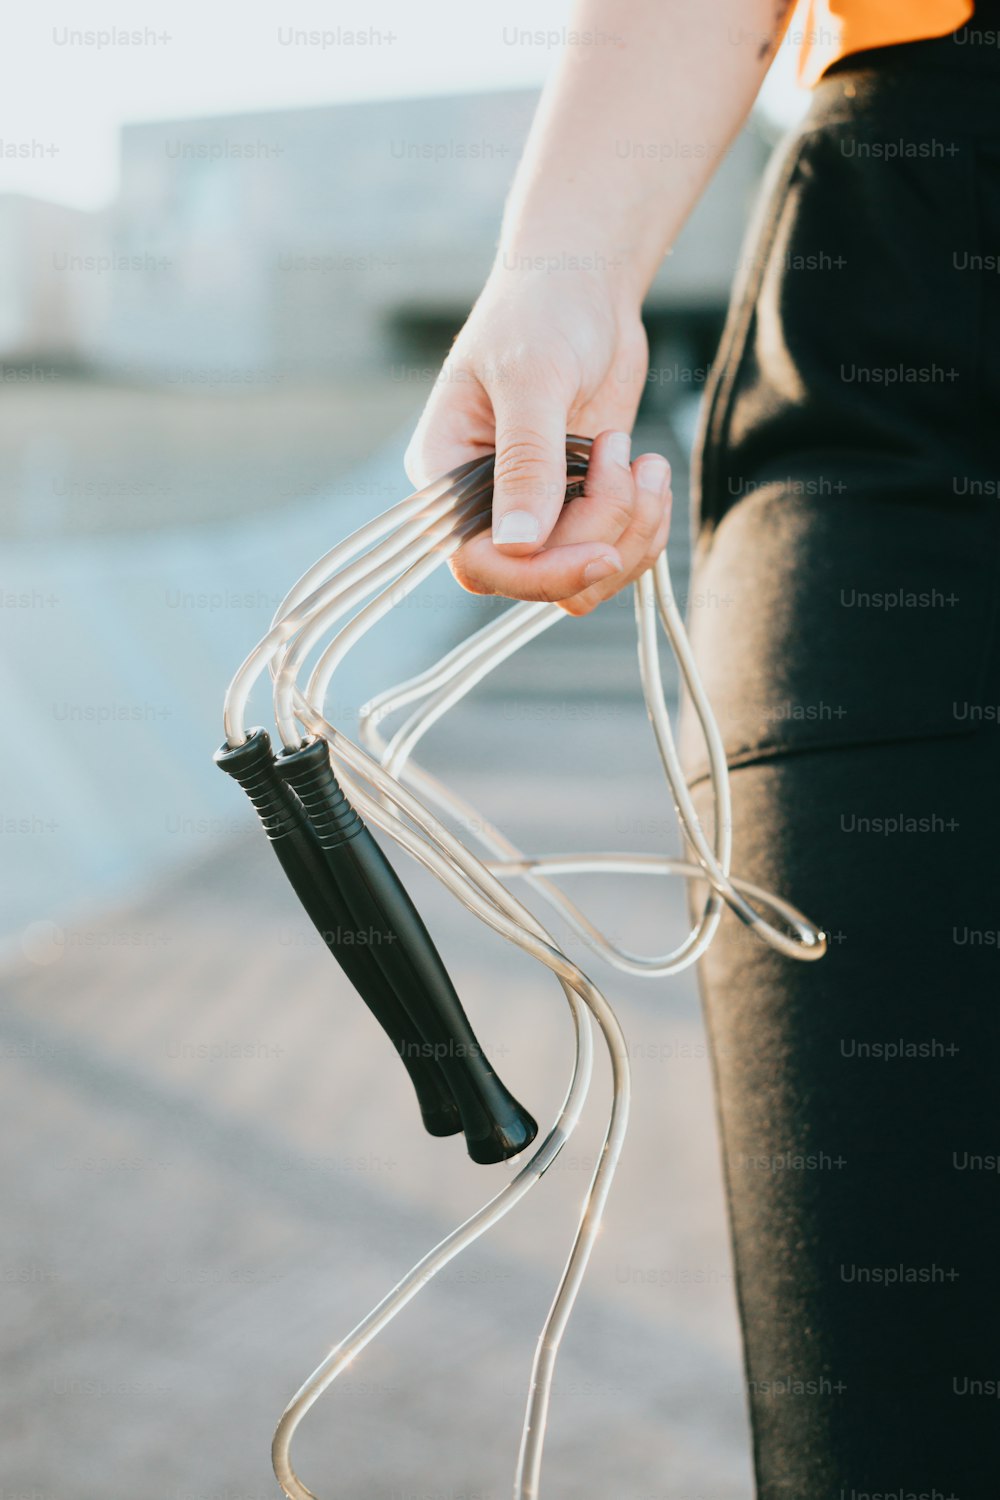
(566, 267)
(578, 222)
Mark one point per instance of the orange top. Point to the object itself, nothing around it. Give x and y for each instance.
(830, 29)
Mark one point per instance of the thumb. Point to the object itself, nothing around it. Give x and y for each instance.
(529, 483)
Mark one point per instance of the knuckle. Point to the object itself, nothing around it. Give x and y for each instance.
(661, 537)
(520, 363)
(523, 464)
(647, 538)
(652, 544)
(617, 509)
(649, 522)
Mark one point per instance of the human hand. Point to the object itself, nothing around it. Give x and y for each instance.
(533, 362)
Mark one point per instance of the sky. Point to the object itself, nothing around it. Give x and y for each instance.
(69, 80)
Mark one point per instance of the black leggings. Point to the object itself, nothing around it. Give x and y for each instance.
(845, 592)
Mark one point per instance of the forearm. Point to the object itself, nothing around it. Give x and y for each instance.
(631, 126)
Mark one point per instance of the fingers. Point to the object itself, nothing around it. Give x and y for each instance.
(605, 509)
(552, 574)
(643, 539)
(576, 554)
(529, 477)
(518, 413)
(601, 542)
(581, 549)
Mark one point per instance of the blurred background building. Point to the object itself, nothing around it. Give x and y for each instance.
(336, 240)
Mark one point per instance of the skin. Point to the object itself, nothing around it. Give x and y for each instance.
(555, 342)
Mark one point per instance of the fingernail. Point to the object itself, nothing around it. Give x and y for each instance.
(652, 474)
(601, 568)
(517, 526)
(619, 446)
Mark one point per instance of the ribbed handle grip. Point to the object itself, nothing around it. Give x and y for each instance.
(496, 1126)
(298, 847)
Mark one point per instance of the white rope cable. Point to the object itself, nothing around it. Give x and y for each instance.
(387, 559)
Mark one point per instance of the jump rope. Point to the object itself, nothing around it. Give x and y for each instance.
(316, 799)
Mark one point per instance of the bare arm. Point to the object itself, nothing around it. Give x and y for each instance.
(682, 70)
(555, 341)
